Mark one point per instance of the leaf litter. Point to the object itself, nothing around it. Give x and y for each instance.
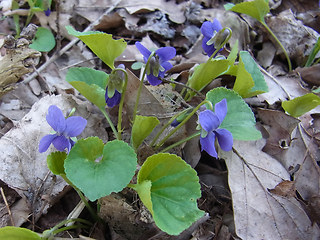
(273, 185)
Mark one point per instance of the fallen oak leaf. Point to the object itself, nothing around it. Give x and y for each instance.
(259, 214)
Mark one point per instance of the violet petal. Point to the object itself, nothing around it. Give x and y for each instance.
(207, 29)
(207, 144)
(208, 49)
(144, 51)
(208, 120)
(56, 119)
(216, 25)
(166, 53)
(175, 123)
(47, 12)
(221, 109)
(115, 100)
(225, 139)
(45, 142)
(167, 66)
(75, 126)
(154, 81)
(61, 143)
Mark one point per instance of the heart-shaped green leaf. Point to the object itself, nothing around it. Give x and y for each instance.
(240, 120)
(257, 9)
(300, 105)
(43, 41)
(141, 129)
(17, 233)
(55, 162)
(169, 188)
(90, 83)
(205, 73)
(250, 81)
(102, 44)
(98, 169)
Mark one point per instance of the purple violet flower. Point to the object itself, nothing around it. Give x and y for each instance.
(210, 122)
(159, 62)
(115, 87)
(114, 100)
(65, 130)
(175, 123)
(209, 30)
(47, 12)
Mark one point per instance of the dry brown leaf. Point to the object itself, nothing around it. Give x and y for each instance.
(282, 86)
(279, 127)
(302, 155)
(297, 39)
(259, 214)
(285, 188)
(23, 168)
(266, 55)
(148, 104)
(310, 74)
(174, 11)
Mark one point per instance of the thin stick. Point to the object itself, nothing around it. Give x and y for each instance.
(7, 205)
(183, 85)
(68, 46)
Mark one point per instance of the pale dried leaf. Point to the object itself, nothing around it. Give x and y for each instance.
(279, 127)
(296, 38)
(259, 214)
(302, 155)
(282, 86)
(266, 55)
(174, 11)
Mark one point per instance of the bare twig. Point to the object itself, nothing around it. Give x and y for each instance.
(7, 205)
(20, 12)
(77, 63)
(68, 46)
(185, 86)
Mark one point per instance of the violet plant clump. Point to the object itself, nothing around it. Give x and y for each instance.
(65, 130)
(117, 163)
(158, 63)
(209, 123)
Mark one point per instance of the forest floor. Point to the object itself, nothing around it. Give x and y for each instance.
(264, 189)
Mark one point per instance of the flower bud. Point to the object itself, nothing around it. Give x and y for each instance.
(219, 38)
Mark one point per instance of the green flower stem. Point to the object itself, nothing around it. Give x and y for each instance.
(180, 142)
(30, 14)
(53, 231)
(280, 44)
(121, 101)
(182, 123)
(104, 112)
(83, 199)
(164, 127)
(140, 87)
(68, 228)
